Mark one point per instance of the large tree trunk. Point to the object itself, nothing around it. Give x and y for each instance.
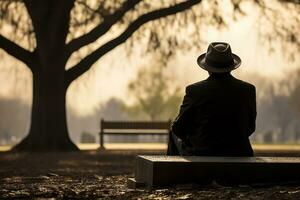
(48, 131)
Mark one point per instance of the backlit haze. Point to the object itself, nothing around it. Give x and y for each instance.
(110, 75)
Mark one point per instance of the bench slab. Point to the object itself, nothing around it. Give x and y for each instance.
(154, 171)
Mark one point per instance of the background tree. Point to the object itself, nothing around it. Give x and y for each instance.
(16, 110)
(113, 109)
(154, 93)
(283, 112)
(61, 40)
(292, 85)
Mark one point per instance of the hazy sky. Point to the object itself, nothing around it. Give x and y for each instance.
(110, 75)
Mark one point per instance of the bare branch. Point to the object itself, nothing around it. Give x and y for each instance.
(86, 63)
(15, 50)
(102, 28)
(291, 1)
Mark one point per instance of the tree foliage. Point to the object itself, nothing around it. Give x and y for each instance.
(90, 20)
(153, 93)
(279, 26)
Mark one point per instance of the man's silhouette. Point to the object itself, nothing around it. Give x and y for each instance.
(217, 115)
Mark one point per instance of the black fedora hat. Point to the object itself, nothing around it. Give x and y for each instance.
(219, 58)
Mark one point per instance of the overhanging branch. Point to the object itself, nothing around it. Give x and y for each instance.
(102, 28)
(15, 50)
(291, 1)
(86, 63)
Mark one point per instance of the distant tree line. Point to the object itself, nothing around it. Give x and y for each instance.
(278, 105)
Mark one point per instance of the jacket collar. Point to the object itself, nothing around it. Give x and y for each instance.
(220, 76)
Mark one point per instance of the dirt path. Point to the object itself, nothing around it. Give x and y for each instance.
(103, 175)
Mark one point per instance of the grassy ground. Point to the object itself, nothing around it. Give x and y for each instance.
(163, 146)
(103, 175)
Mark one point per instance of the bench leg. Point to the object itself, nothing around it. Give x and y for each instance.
(101, 141)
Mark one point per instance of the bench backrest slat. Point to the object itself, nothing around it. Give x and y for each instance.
(135, 125)
(135, 133)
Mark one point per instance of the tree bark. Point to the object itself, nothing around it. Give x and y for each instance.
(48, 131)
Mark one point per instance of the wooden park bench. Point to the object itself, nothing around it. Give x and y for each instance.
(132, 128)
(156, 171)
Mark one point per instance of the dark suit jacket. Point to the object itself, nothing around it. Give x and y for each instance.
(216, 117)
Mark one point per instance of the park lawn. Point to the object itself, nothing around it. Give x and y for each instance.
(163, 146)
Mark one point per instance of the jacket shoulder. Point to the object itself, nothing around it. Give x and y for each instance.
(245, 84)
(197, 85)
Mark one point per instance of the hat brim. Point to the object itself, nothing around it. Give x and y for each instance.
(236, 63)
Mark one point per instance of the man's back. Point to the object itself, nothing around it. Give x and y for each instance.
(217, 117)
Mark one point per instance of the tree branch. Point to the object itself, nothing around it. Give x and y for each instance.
(86, 63)
(15, 50)
(291, 1)
(102, 28)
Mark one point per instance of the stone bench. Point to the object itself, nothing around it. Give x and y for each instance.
(155, 171)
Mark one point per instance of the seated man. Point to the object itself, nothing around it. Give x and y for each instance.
(218, 114)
